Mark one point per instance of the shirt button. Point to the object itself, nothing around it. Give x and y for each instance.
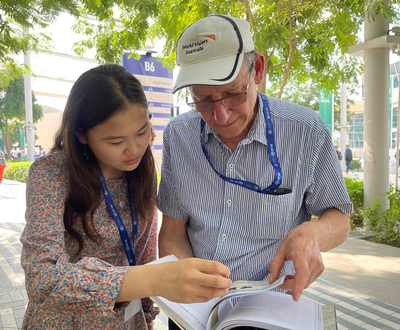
(104, 313)
(121, 204)
(223, 236)
(229, 202)
(231, 166)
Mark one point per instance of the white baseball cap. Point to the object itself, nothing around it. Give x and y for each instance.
(210, 51)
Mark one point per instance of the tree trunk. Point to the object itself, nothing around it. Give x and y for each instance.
(7, 144)
(263, 85)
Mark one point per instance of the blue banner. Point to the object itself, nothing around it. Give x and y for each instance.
(145, 66)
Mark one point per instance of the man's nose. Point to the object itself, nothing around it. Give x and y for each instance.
(221, 113)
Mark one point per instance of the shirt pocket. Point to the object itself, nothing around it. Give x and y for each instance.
(270, 216)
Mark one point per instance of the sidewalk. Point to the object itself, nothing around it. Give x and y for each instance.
(361, 277)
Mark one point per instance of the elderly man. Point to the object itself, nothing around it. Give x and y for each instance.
(242, 173)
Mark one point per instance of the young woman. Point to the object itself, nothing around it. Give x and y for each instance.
(91, 220)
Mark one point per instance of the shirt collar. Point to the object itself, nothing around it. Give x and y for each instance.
(257, 131)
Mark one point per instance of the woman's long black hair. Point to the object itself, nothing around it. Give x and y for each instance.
(97, 95)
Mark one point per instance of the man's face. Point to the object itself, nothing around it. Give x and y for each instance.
(231, 123)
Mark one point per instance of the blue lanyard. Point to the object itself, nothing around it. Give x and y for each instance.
(123, 233)
(273, 189)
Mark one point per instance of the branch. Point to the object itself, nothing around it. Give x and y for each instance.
(284, 63)
(285, 78)
(249, 15)
(306, 23)
(268, 57)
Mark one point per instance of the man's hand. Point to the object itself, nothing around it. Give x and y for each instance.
(299, 245)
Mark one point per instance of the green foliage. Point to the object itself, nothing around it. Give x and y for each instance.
(355, 188)
(12, 104)
(17, 170)
(124, 27)
(18, 21)
(385, 223)
(303, 41)
(356, 164)
(12, 110)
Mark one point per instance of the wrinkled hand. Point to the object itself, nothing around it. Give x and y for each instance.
(194, 280)
(301, 247)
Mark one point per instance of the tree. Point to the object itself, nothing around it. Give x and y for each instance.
(302, 40)
(12, 110)
(18, 21)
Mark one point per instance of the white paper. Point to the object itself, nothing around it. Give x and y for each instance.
(133, 308)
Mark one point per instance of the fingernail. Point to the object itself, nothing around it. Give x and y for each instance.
(296, 296)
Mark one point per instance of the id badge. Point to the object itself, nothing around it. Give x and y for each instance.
(133, 308)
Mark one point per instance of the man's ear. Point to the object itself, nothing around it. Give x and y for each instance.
(259, 68)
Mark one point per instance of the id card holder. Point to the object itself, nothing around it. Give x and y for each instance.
(133, 308)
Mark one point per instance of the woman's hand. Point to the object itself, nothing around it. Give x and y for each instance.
(193, 280)
(188, 280)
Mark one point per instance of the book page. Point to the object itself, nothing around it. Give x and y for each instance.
(189, 316)
(273, 310)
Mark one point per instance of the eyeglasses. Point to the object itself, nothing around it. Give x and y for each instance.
(228, 102)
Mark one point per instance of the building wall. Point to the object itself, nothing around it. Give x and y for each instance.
(47, 127)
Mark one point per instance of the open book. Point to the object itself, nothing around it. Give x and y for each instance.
(248, 303)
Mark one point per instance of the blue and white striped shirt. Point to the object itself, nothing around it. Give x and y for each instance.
(239, 227)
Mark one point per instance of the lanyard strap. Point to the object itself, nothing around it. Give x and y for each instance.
(273, 158)
(123, 233)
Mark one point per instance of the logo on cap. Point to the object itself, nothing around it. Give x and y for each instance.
(211, 36)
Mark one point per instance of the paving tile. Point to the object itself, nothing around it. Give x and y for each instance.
(370, 327)
(329, 298)
(5, 297)
(16, 295)
(8, 321)
(19, 322)
(342, 327)
(368, 314)
(351, 319)
(372, 322)
(383, 313)
(19, 312)
(312, 291)
(349, 325)
(6, 311)
(393, 325)
(13, 304)
(347, 306)
(23, 293)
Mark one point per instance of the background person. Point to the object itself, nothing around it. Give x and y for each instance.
(3, 164)
(348, 156)
(242, 173)
(83, 263)
(338, 153)
(14, 153)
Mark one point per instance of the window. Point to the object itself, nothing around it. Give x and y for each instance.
(356, 132)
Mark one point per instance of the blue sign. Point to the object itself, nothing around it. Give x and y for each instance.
(145, 66)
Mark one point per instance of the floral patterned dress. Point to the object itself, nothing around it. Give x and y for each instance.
(78, 294)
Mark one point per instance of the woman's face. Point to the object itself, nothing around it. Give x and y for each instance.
(120, 142)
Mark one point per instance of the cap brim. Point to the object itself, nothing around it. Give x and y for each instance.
(218, 72)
